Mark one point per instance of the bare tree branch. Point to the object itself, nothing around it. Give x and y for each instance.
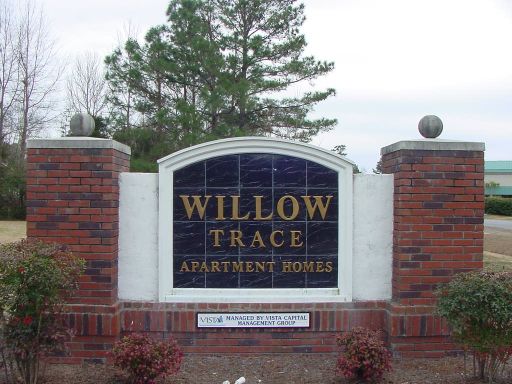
(86, 86)
(9, 85)
(38, 74)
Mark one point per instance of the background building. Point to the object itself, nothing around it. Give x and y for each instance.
(498, 178)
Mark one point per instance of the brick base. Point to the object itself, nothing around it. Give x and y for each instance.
(410, 331)
(414, 331)
(179, 320)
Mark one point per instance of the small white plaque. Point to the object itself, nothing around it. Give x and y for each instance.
(253, 320)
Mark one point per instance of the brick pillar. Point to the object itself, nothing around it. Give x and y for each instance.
(73, 199)
(438, 232)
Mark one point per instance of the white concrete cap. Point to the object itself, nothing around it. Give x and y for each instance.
(79, 142)
(433, 145)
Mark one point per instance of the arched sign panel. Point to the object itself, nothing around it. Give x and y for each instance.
(255, 219)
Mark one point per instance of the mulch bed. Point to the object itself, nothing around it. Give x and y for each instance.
(278, 369)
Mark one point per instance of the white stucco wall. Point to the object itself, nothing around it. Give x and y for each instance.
(138, 236)
(373, 237)
(138, 239)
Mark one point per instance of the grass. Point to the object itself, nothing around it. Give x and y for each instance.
(495, 262)
(498, 217)
(12, 231)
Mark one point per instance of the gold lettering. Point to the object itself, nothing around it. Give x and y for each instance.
(295, 236)
(250, 266)
(236, 209)
(297, 267)
(204, 268)
(328, 266)
(320, 266)
(220, 207)
(215, 266)
(257, 238)
(216, 233)
(280, 207)
(287, 266)
(319, 203)
(236, 237)
(257, 215)
(184, 267)
(260, 267)
(197, 204)
(309, 266)
(238, 266)
(273, 239)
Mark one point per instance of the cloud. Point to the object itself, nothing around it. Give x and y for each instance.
(396, 47)
(396, 61)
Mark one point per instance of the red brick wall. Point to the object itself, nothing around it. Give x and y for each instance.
(438, 219)
(438, 232)
(73, 199)
(179, 320)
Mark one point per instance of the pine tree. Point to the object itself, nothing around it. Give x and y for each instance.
(217, 69)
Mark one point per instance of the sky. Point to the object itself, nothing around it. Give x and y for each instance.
(395, 62)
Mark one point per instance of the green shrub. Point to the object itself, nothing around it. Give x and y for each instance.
(12, 185)
(364, 356)
(143, 165)
(35, 279)
(146, 359)
(478, 307)
(498, 206)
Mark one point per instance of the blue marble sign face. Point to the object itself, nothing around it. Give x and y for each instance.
(255, 221)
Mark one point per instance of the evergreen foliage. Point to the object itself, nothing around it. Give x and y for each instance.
(217, 69)
(498, 206)
(12, 182)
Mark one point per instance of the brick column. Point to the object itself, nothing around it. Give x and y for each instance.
(438, 232)
(73, 199)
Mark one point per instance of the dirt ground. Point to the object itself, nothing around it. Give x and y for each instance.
(498, 247)
(280, 369)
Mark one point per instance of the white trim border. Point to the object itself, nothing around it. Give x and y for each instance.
(240, 145)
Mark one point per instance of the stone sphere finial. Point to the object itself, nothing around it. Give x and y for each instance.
(430, 126)
(81, 124)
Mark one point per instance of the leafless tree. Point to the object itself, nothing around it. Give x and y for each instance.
(86, 86)
(38, 74)
(9, 85)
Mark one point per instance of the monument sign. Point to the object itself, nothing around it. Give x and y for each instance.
(262, 217)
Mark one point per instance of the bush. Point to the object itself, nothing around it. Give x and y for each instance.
(364, 355)
(35, 279)
(12, 183)
(478, 307)
(498, 206)
(146, 359)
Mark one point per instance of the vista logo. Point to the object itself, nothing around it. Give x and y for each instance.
(211, 319)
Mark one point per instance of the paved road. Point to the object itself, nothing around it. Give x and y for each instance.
(502, 224)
